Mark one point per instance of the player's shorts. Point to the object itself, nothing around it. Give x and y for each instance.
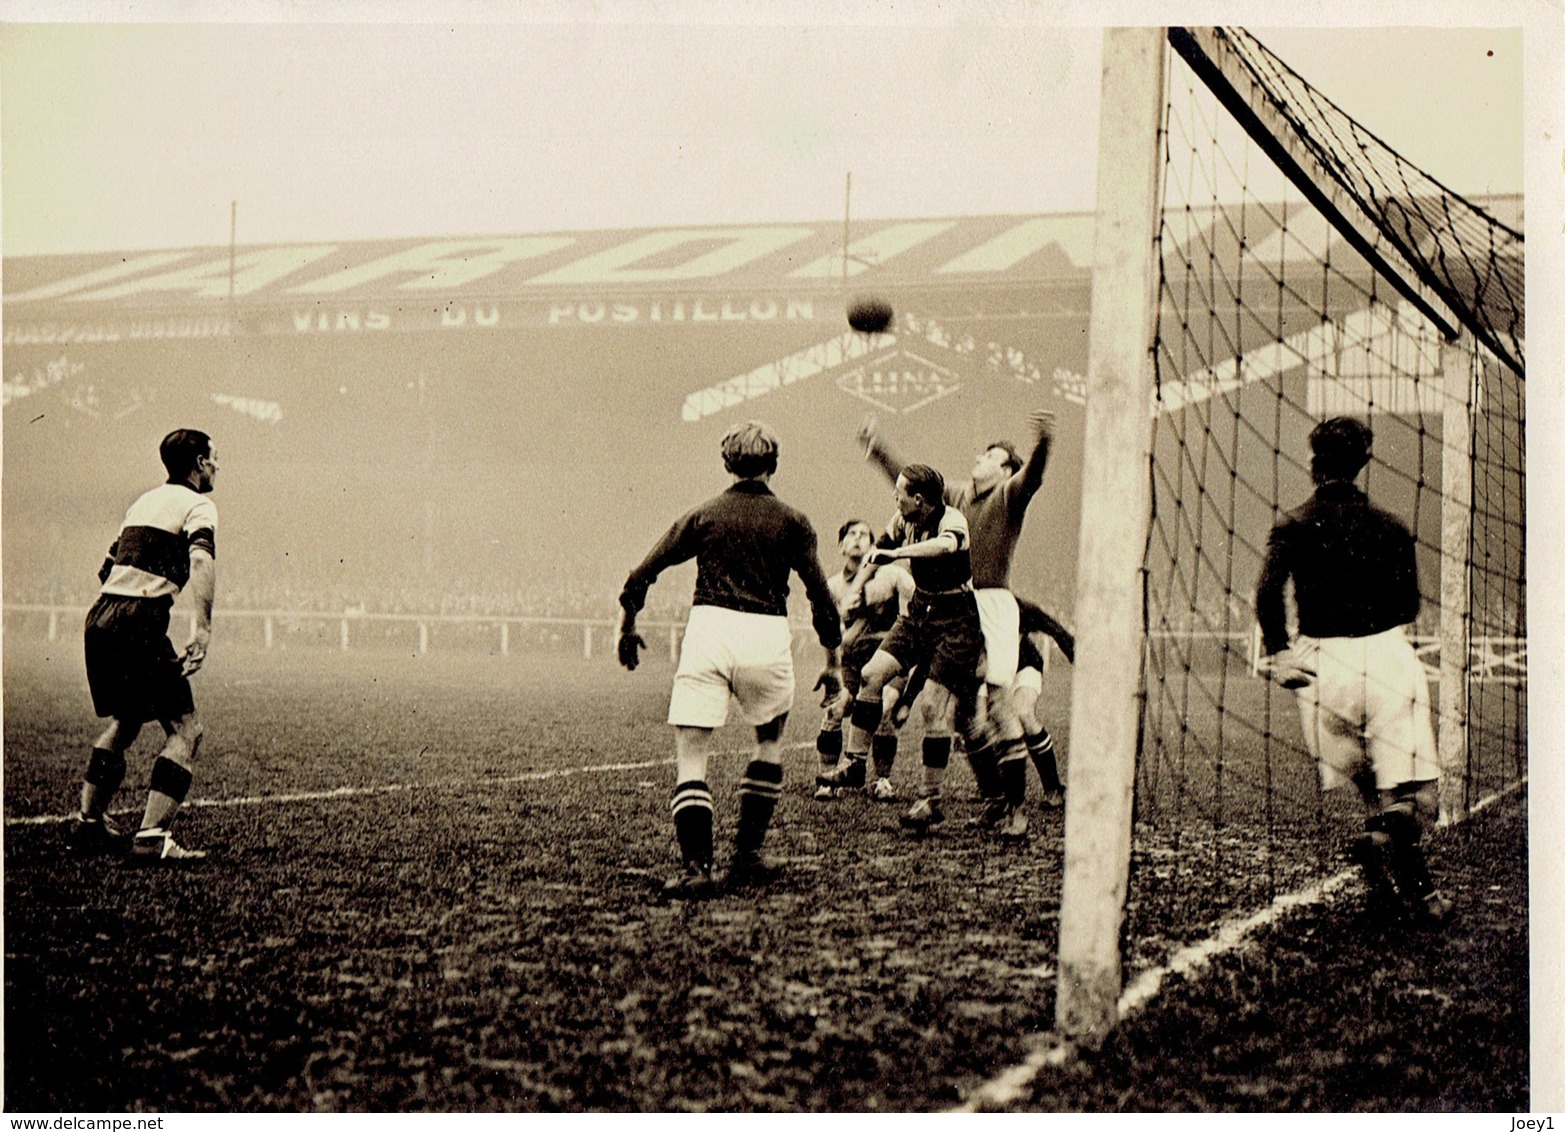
(1001, 621)
(133, 673)
(726, 654)
(940, 631)
(1028, 679)
(855, 657)
(1369, 700)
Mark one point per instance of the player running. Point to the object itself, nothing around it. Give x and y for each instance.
(939, 634)
(1363, 695)
(737, 645)
(167, 543)
(994, 502)
(884, 597)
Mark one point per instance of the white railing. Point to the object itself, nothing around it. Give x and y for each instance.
(347, 620)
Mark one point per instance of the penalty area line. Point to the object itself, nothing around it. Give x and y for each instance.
(1011, 1085)
(338, 793)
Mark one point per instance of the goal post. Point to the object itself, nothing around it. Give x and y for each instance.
(1262, 262)
(1116, 503)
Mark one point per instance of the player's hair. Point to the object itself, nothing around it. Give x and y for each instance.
(180, 450)
(924, 481)
(1340, 447)
(750, 450)
(842, 531)
(1013, 458)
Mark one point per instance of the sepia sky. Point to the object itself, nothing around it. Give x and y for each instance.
(120, 136)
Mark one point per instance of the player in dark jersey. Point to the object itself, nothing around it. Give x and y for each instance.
(737, 646)
(939, 634)
(167, 543)
(884, 598)
(1362, 692)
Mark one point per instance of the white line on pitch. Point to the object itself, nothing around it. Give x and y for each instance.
(1010, 1085)
(339, 792)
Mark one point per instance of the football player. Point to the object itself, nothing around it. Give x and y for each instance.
(1363, 695)
(939, 634)
(167, 543)
(884, 598)
(737, 646)
(994, 502)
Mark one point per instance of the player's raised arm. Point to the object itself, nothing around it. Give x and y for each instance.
(877, 451)
(1029, 478)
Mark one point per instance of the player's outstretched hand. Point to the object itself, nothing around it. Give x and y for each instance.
(1042, 421)
(866, 433)
(630, 646)
(195, 652)
(829, 685)
(879, 556)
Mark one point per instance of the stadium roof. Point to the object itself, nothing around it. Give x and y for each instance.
(1004, 266)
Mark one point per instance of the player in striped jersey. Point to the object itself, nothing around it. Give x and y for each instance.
(994, 501)
(939, 634)
(167, 543)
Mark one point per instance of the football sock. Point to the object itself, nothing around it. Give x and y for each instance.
(1404, 854)
(828, 744)
(1012, 771)
(885, 754)
(866, 715)
(692, 809)
(165, 792)
(986, 772)
(936, 756)
(105, 772)
(758, 793)
(1041, 749)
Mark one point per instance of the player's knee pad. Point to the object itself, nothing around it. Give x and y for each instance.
(771, 730)
(168, 777)
(105, 769)
(866, 714)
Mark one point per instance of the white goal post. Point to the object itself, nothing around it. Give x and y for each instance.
(1116, 510)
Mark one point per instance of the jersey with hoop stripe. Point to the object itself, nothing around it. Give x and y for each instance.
(151, 556)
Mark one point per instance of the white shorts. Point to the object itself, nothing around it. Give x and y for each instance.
(1028, 680)
(1369, 700)
(731, 655)
(1001, 621)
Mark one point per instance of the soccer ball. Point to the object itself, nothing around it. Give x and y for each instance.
(869, 315)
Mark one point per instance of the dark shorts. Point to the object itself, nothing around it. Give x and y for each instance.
(855, 657)
(132, 669)
(941, 635)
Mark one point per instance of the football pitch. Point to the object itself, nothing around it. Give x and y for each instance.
(433, 887)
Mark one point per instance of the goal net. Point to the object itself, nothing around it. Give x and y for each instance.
(1305, 270)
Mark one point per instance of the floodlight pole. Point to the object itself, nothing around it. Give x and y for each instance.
(1116, 504)
(847, 197)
